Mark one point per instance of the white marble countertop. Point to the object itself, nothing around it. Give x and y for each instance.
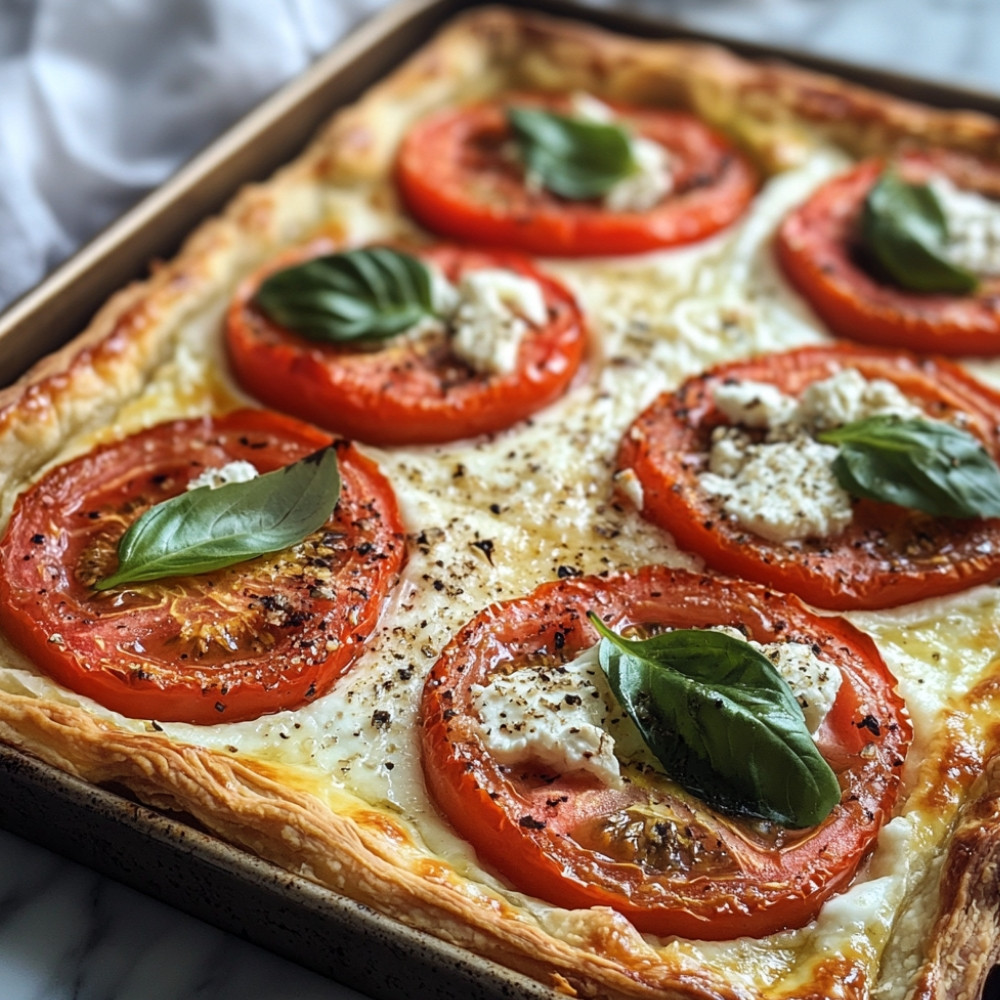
(66, 932)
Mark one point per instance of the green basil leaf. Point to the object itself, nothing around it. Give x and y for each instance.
(904, 228)
(723, 723)
(922, 464)
(572, 157)
(367, 294)
(207, 529)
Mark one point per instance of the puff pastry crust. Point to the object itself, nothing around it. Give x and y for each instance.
(139, 362)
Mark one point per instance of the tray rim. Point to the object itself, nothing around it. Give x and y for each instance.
(91, 817)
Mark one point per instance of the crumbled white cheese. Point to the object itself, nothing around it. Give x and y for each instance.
(653, 177)
(848, 396)
(780, 490)
(495, 308)
(233, 472)
(783, 487)
(814, 682)
(650, 182)
(973, 224)
(555, 715)
(590, 108)
(730, 447)
(754, 404)
(631, 486)
(445, 299)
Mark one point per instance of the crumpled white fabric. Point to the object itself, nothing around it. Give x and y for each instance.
(101, 100)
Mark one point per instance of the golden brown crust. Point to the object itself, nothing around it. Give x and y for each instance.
(766, 104)
(964, 944)
(779, 113)
(356, 850)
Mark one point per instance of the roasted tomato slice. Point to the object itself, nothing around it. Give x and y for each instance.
(887, 555)
(406, 391)
(818, 248)
(458, 180)
(652, 852)
(267, 634)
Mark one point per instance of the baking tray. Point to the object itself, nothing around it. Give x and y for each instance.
(179, 864)
(166, 856)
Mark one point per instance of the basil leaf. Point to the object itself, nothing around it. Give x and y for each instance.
(572, 157)
(905, 229)
(367, 294)
(922, 464)
(207, 529)
(723, 723)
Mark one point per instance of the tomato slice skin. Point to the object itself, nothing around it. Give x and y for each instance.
(455, 179)
(738, 879)
(264, 635)
(404, 393)
(817, 247)
(887, 556)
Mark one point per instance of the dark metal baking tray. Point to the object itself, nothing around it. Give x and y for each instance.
(170, 859)
(166, 856)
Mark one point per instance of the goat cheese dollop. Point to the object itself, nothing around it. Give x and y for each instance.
(565, 717)
(781, 486)
(494, 309)
(232, 472)
(650, 182)
(973, 224)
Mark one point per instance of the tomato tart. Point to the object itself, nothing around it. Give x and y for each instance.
(489, 589)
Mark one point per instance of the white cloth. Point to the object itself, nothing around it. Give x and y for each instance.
(101, 100)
